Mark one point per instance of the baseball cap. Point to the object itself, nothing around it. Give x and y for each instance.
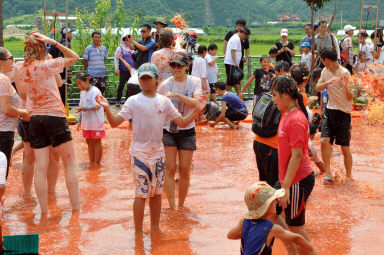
(284, 32)
(148, 69)
(306, 44)
(348, 27)
(193, 33)
(67, 30)
(258, 198)
(179, 57)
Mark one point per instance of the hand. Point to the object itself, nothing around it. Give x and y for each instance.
(171, 94)
(130, 39)
(284, 201)
(218, 75)
(241, 96)
(43, 38)
(117, 72)
(49, 56)
(236, 65)
(102, 101)
(244, 59)
(216, 58)
(120, 56)
(24, 115)
(202, 102)
(77, 110)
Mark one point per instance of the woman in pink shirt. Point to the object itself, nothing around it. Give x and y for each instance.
(35, 81)
(295, 172)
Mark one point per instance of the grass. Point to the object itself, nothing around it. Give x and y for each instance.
(15, 47)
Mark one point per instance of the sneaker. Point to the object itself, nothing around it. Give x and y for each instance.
(327, 180)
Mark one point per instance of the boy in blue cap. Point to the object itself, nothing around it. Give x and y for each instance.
(148, 111)
(306, 56)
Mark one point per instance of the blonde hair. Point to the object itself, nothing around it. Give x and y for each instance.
(34, 49)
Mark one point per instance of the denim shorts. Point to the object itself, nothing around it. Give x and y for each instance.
(48, 130)
(183, 140)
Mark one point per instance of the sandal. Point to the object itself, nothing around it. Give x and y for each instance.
(327, 180)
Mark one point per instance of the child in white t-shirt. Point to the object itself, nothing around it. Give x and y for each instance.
(148, 111)
(92, 117)
(199, 68)
(361, 64)
(212, 70)
(306, 57)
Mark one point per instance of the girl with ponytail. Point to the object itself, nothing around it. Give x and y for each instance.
(295, 173)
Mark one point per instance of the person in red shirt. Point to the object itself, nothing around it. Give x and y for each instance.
(296, 176)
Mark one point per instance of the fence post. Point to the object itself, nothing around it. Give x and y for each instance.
(249, 66)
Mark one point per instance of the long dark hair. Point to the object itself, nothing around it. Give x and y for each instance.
(285, 84)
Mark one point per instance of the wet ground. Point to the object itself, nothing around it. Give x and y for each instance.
(341, 219)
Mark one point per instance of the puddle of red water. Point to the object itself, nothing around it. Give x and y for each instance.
(340, 219)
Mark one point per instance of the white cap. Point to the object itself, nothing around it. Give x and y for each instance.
(348, 27)
(284, 32)
(67, 30)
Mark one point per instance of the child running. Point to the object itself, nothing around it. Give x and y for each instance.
(257, 231)
(263, 79)
(148, 111)
(91, 117)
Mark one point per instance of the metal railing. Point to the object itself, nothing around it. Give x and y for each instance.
(113, 80)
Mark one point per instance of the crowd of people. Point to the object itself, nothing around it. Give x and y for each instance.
(168, 89)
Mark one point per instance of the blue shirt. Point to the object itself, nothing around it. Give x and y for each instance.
(254, 237)
(95, 58)
(234, 102)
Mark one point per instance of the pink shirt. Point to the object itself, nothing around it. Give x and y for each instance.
(293, 133)
(161, 59)
(8, 123)
(37, 79)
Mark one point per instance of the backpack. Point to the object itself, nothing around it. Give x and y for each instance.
(343, 55)
(266, 116)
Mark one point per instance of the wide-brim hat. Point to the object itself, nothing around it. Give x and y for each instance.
(160, 20)
(259, 197)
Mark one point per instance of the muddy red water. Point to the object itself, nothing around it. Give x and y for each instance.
(340, 219)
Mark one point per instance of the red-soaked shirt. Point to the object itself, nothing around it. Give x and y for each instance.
(293, 133)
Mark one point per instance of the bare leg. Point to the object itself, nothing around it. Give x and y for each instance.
(53, 169)
(214, 98)
(28, 168)
(300, 230)
(185, 161)
(67, 154)
(155, 209)
(230, 123)
(290, 246)
(238, 90)
(170, 170)
(138, 214)
(42, 157)
(229, 88)
(347, 160)
(326, 155)
(98, 150)
(91, 151)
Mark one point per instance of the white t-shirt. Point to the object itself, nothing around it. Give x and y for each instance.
(91, 119)
(233, 44)
(8, 123)
(380, 60)
(3, 168)
(189, 88)
(199, 70)
(367, 49)
(148, 117)
(212, 71)
(307, 59)
(134, 77)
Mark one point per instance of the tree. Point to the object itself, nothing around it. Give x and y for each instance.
(1, 24)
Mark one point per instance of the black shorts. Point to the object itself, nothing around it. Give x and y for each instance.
(229, 71)
(183, 139)
(299, 193)
(336, 125)
(48, 130)
(100, 83)
(23, 129)
(212, 87)
(234, 115)
(6, 145)
(267, 162)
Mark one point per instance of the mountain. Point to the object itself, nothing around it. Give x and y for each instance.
(202, 12)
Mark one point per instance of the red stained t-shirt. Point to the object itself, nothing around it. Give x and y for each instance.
(293, 133)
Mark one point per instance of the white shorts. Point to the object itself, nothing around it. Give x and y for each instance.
(148, 175)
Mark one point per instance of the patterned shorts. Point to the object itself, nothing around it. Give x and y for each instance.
(148, 175)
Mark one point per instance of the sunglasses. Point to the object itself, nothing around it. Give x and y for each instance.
(11, 57)
(175, 65)
(143, 31)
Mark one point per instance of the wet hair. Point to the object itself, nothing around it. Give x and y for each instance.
(220, 85)
(282, 66)
(34, 49)
(285, 84)
(264, 57)
(273, 50)
(201, 49)
(147, 26)
(299, 72)
(317, 72)
(245, 30)
(328, 53)
(212, 46)
(166, 38)
(3, 53)
(96, 33)
(83, 76)
(241, 22)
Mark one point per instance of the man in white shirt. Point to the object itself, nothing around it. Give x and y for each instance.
(233, 57)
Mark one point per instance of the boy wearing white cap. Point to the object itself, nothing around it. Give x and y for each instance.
(148, 111)
(347, 46)
(257, 231)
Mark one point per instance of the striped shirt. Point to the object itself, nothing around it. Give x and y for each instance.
(95, 58)
(337, 95)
